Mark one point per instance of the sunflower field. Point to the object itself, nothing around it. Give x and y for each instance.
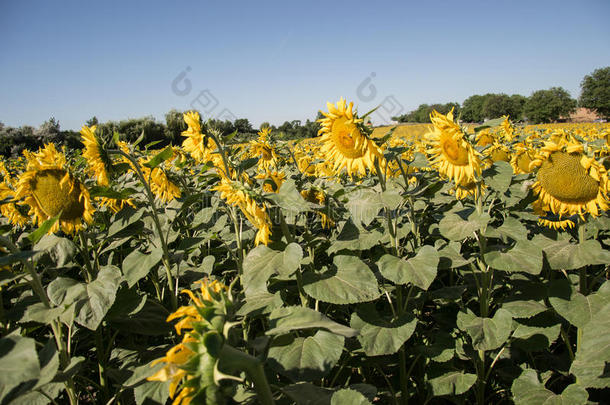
(447, 265)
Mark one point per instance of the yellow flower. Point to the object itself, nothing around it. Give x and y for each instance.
(51, 190)
(450, 152)
(160, 184)
(468, 190)
(234, 193)
(9, 209)
(276, 177)
(195, 143)
(318, 197)
(522, 156)
(96, 161)
(484, 137)
(508, 129)
(568, 181)
(262, 149)
(344, 144)
(177, 358)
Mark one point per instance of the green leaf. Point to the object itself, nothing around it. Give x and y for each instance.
(287, 319)
(108, 192)
(289, 199)
(562, 254)
(349, 281)
(524, 257)
(303, 393)
(499, 176)
(453, 383)
(262, 262)
(137, 265)
(60, 249)
(151, 392)
(364, 204)
(306, 359)
(379, 336)
(123, 219)
(348, 396)
(419, 270)
(451, 258)
(489, 124)
(538, 334)
(455, 228)
(591, 363)
(522, 308)
(514, 229)
(17, 257)
(572, 305)
(527, 390)
(160, 158)
(351, 238)
(18, 360)
(486, 333)
(43, 229)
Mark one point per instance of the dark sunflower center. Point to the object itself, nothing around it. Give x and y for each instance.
(454, 153)
(562, 176)
(53, 198)
(343, 139)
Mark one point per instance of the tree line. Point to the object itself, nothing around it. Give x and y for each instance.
(542, 106)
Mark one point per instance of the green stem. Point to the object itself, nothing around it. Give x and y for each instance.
(299, 276)
(155, 216)
(240, 248)
(84, 250)
(236, 359)
(101, 362)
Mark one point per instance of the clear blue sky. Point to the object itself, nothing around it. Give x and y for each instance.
(282, 60)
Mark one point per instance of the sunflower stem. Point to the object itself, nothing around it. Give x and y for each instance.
(151, 200)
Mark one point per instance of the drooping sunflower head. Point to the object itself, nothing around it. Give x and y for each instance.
(568, 181)
(272, 180)
(97, 159)
(497, 152)
(450, 152)
(343, 142)
(50, 190)
(508, 129)
(522, 156)
(196, 143)
(485, 137)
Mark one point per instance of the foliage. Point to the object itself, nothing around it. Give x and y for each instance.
(422, 114)
(388, 289)
(549, 105)
(595, 91)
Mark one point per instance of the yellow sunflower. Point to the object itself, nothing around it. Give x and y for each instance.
(521, 158)
(344, 144)
(568, 181)
(508, 129)
(468, 190)
(159, 182)
(195, 143)
(497, 152)
(276, 177)
(485, 137)
(235, 193)
(262, 149)
(51, 190)
(450, 153)
(316, 196)
(97, 162)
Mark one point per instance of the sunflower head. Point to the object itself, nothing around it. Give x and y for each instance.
(50, 190)
(344, 143)
(450, 152)
(568, 181)
(95, 155)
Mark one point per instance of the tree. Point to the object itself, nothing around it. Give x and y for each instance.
(472, 108)
(498, 105)
(549, 105)
(595, 91)
(92, 121)
(174, 126)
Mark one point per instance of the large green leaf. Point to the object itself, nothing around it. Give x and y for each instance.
(364, 204)
(562, 254)
(419, 270)
(452, 383)
(18, 360)
(138, 264)
(513, 228)
(60, 249)
(262, 262)
(527, 390)
(499, 176)
(379, 336)
(90, 301)
(575, 307)
(455, 228)
(486, 333)
(593, 356)
(352, 238)
(287, 319)
(349, 281)
(159, 158)
(304, 393)
(306, 359)
(348, 396)
(524, 257)
(450, 256)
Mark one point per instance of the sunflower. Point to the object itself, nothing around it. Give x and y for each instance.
(97, 161)
(273, 181)
(508, 129)
(450, 152)
(159, 182)
(485, 137)
(196, 143)
(521, 158)
(468, 190)
(343, 142)
(316, 196)
(51, 190)
(568, 181)
(189, 366)
(235, 193)
(262, 149)
(497, 152)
